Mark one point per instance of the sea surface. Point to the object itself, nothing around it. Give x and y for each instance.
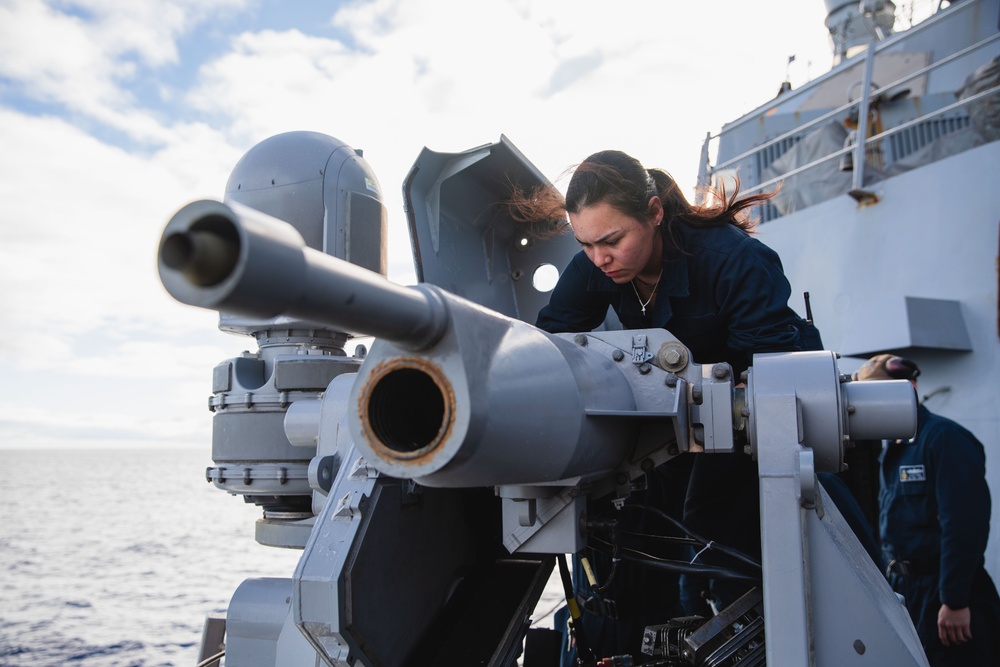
(113, 558)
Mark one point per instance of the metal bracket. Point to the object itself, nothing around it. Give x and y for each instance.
(808, 494)
(640, 351)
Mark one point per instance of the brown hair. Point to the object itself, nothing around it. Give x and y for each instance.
(618, 179)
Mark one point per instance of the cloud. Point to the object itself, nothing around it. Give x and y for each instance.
(114, 115)
(81, 222)
(90, 57)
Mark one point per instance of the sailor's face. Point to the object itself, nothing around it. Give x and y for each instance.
(620, 245)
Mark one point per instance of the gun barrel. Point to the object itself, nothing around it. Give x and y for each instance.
(232, 258)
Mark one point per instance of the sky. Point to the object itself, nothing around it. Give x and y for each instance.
(113, 115)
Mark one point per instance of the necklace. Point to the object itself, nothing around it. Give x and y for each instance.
(651, 294)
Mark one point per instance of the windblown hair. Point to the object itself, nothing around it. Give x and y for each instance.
(616, 178)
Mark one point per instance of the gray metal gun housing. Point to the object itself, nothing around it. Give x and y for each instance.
(455, 395)
(434, 398)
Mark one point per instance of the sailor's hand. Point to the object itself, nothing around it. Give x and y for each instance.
(954, 625)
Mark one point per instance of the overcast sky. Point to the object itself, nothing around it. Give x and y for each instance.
(115, 114)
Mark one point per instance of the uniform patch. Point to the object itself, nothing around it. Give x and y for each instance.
(912, 474)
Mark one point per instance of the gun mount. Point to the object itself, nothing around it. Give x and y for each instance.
(455, 400)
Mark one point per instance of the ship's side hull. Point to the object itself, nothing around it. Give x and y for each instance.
(909, 274)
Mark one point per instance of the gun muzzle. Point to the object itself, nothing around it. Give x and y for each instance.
(232, 258)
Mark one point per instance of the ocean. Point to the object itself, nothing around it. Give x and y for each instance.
(113, 558)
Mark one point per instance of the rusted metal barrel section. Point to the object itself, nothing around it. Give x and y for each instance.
(495, 402)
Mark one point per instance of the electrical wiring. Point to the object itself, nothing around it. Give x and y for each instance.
(621, 545)
(677, 566)
(709, 544)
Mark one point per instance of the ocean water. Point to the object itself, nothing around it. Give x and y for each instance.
(113, 558)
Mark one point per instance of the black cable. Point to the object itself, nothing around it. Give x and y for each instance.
(693, 540)
(582, 645)
(706, 544)
(680, 567)
(612, 527)
(666, 539)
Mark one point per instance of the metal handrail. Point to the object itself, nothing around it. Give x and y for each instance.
(874, 138)
(866, 99)
(888, 43)
(861, 140)
(867, 92)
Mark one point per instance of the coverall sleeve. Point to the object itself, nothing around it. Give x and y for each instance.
(753, 293)
(963, 500)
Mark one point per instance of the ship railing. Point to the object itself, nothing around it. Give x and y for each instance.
(808, 89)
(858, 149)
(862, 144)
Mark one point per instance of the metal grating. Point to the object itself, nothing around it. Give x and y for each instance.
(912, 139)
(762, 160)
(772, 152)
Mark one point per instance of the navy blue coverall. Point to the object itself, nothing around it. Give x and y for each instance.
(724, 295)
(934, 522)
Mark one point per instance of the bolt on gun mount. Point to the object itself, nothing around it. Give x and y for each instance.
(455, 396)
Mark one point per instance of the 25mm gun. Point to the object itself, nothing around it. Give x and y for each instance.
(457, 457)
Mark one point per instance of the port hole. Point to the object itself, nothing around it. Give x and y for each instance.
(545, 277)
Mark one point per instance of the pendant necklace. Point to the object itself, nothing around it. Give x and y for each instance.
(651, 294)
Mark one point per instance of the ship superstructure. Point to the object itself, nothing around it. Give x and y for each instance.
(891, 223)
